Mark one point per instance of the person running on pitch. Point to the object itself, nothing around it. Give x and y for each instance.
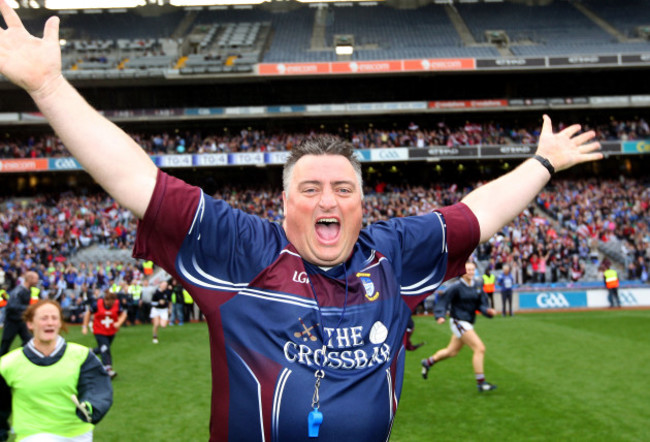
(462, 300)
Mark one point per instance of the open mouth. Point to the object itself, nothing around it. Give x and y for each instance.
(328, 229)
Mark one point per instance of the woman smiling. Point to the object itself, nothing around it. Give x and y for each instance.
(54, 390)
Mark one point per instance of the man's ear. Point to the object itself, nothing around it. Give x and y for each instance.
(284, 203)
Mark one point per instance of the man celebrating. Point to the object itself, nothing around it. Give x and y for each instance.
(19, 300)
(306, 318)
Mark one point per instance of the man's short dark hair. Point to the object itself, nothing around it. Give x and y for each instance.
(321, 145)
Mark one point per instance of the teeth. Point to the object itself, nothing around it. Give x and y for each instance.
(327, 220)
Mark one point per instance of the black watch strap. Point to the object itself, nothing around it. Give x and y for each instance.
(546, 163)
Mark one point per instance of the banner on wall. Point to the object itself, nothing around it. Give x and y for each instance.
(23, 165)
(564, 299)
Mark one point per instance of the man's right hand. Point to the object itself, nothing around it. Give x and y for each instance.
(30, 62)
(105, 151)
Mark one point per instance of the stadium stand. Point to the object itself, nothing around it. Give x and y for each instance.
(382, 32)
(572, 230)
(234, 40)
(435, 134)
(626, 20)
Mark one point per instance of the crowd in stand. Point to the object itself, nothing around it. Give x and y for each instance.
(245, 140)
(580, 214)
(43, 233)
(605, 210)
(550, 241)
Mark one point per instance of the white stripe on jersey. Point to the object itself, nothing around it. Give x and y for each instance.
(443, 229)
(391, 393)
(417, 289)
(289, 252)
(207, 276)
(367, 261)
(277, 401)
(259, 395)
(227, 287)
(280, 297)
(200, 210)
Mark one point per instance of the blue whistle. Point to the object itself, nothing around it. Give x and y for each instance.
(314, 421)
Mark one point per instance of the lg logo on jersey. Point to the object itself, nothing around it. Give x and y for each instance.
(552, 300)
(300, 277)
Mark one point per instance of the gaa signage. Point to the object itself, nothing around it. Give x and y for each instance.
(63, 164)
(552, 300)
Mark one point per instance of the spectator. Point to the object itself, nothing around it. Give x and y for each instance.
(37, 380)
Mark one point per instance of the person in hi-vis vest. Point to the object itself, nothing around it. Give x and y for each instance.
(35, 294)
(147, 268)
(611, 282)
(53, 390)
(488, 285)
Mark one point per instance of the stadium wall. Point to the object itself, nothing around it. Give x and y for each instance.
(570, 299)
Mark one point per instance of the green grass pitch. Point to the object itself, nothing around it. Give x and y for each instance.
(561, 376)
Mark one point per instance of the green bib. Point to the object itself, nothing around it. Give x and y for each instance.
(41, 395)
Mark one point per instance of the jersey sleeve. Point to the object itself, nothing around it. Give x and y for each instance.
(5, 408)
(463, 236)
(204, 241)
(166, 221)
(426, 250)
(416, 248)
(94, 386)
(444, 301)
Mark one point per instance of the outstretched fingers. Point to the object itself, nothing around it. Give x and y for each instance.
(547, 126)
(571, 130)
(590, 147)
(10, 16)
(51, 31)
(594, 156)
(584, 137)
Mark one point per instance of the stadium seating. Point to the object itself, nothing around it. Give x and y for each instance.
(626, 19)
(244, 36)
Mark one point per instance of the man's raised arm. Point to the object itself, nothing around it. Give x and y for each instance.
(112, 157)
(500, 201)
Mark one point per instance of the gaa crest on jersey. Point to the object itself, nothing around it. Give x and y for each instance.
(368, 286)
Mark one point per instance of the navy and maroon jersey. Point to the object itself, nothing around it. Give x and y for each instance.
(269, 312)
(104, 319)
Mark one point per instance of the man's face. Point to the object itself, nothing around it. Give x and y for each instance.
(323, 212)
(470, 270)
(31, 278)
